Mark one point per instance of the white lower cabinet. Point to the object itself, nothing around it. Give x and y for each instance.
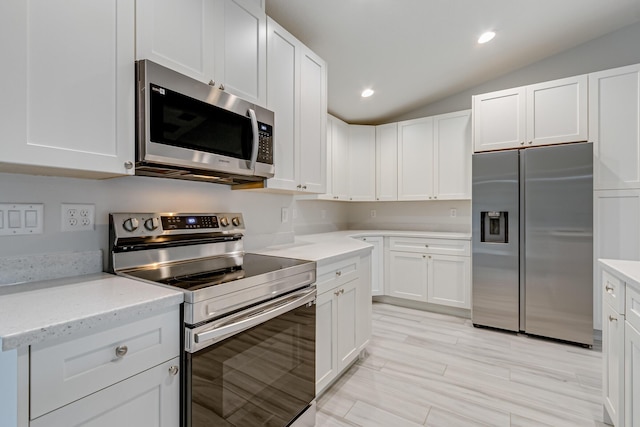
(129, 372)
(343, 316)
(632, 375)
(613, 363)
(436, 271)
(449, 280)
(148, 399)
(621, 342)
(377, 264)
(408, 275)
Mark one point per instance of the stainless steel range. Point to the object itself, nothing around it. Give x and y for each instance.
(249, 319)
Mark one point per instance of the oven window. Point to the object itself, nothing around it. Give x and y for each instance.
(264, 376)
(182, 121)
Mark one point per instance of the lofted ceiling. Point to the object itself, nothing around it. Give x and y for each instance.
(416, 52)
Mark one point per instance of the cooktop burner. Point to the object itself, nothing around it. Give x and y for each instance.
(203, 273)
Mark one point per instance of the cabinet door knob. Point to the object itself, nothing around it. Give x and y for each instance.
(212, 83)
(522, 143)
(173, 370)
(128, 165)
(426, 246)
(121, 350)
(530, 142)
(612, 319)
(342, 291)
(221, 87)
(338, 273)
(609, 289)
(336, 293)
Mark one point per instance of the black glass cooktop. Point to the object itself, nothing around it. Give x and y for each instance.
(203, 273)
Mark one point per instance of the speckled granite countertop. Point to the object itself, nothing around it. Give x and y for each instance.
(629, 271)
(324, 248)
(35, 312)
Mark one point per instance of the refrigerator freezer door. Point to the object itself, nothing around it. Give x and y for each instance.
(495, 293)
(558, 242)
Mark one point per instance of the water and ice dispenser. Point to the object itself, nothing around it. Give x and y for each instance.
(494, 227)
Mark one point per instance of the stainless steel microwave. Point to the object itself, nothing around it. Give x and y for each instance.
(188, 129)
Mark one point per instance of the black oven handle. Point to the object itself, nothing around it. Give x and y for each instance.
(255, 316)
(256, 138)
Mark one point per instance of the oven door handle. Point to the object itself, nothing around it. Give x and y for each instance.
(255, 316)
(256, 138)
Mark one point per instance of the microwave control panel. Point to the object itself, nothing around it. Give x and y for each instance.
(265, 143)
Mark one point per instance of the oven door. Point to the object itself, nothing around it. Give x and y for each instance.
(255, 368)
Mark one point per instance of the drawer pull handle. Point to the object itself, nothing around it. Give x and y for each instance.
(612, 319)
(609, 289)
(426, 246)
(338, 273)
(173, 370)
(121, 350)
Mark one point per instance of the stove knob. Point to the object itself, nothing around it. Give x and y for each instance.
(151, 224)
(235, 221)
(224, 221)
(130, 224)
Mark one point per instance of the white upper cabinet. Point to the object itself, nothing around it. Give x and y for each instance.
(415, 159)
(296, 93)
(339, 159)
(434, 157)
(67, 87)
(219, 41)
(313, 122)
(283, 98)
(452, 145)
(557, 111)
(362, 163)
(387, 162)
(614, 127)
(499, 120)
(241, 48)
(177, 34)
(541, 114)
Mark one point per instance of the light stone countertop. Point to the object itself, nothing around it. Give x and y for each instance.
(324, 248)
(35, 312)
(629, 271)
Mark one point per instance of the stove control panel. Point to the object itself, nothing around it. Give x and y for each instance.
(156, 224)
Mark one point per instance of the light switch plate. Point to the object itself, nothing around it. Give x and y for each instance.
(21, 218)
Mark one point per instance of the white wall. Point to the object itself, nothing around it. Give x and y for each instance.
(609, 51)
(135, 194)
(419, 216)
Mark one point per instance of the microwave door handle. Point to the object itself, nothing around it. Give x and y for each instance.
(256, 138)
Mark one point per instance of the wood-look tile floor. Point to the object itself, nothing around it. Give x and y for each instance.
(428, 369)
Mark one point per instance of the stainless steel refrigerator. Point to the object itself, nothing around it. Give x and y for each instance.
(532, 227)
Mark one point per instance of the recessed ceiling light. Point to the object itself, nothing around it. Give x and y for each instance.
(488, 36)
(367, 93)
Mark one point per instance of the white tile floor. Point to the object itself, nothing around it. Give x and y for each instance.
(430, 369)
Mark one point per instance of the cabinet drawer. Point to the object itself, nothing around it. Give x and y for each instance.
(430, 246)
(632, 313)
(335, 274)
(613, 291)
(67, 370)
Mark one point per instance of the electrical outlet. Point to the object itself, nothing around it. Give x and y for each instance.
(454, 212)
(77, 217)
(373, 213)
(284, 215)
